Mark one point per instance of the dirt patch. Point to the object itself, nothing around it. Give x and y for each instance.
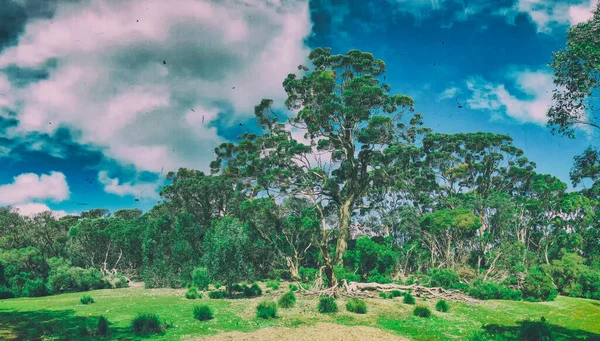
(319, 332)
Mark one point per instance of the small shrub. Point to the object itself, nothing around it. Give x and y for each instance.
(237, 288)
(421, 311)
(538, 286)
(256, 290)
(102, 326)
(327, 305)
(217, 294)
(342, 273)
(307, 274)
(287, 300)
(485, 290)
(293, 287)
(145, 323)
(445, 278)
(6, 293)
(395, 293)
(203, 313)
(354, 305)
(35, 288)
(535, 331)
(192, 294)
(376, 277)
(442, 306)
(200, 278)
(218, 286)
(383, 295)
(86, 299)
(273, 285)
(408, 299)
(266, 310)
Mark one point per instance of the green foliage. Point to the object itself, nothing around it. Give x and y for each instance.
(273, 285)
(343, 273)
(226, 251)
(442, 306)
(146, 323)
(376, 277)
(535, 331)
(86, 299)
(395, 293)
(409, 299)
(485, 290)
(35, 288)
(5, 293)
(538, 286)
(266, 310)
(252, 291)
(383, 295)
(327, 305)
(287, 300)
(237, 288)
(192, 294)
(307, 274)
(203, 313)
(217, 294)
(102, 326)
(200, 278)
(445, 278)
(354, 305)
(293, 287)
(421, 311)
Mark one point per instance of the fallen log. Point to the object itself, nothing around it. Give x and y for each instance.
(364, 289)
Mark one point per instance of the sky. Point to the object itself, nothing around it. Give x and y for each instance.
(99, 99)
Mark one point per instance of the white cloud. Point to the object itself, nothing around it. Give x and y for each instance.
(450, 92)
(529, 103)
(29, 187)
(111, 88)
(547, 15)
(36, 208)
(140, 190)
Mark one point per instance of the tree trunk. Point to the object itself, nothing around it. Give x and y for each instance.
(343, 231)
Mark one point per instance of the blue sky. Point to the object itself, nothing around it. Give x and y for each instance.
(100, 99)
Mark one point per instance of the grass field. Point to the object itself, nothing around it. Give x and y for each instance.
(61, 318)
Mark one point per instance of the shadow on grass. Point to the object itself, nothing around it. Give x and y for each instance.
(56, 325)
(559, 333)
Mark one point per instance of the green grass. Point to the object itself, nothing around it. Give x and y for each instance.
(63, 315)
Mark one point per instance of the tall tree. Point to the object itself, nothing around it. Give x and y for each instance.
(577, 77)
(347, 117)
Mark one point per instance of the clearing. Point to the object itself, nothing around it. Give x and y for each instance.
(60, 317)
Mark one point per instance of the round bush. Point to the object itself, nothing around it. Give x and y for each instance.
(354, 305)
(256, 290)
(409, 299)
(287, 300)
(144, 324)
(327, 305)
(203, 313)
(200, 278)
(293, 287)
(273, 285)
(266, 310)
(442, 306)
(395, 293)
(217, 294)
(538, 286)
(86, 299)
(192, 294)
(102, 327)
(421, 311)
(383, 295)
(237, 288)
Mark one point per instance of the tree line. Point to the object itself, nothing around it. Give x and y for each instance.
(346, 185)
